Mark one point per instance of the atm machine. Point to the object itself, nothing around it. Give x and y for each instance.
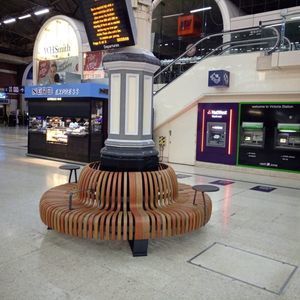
(252, 134)
(216, 134)
(287, 136)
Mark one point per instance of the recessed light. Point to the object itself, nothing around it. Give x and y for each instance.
(41, 12)
(8, 21)
(200, 9)
(24, 17)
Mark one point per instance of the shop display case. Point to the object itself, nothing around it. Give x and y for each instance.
(68, 134)
(287, 136)
(252, 134)
(57, 136)
(37, 123)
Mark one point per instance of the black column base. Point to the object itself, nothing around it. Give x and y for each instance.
(49, 228)
(139, 247)
(115, 159)
(125, 164)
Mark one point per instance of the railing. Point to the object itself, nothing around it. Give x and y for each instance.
(225, 46)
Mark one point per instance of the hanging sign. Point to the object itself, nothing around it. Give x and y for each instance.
(218, 78)
(109, 23)
(189, 25)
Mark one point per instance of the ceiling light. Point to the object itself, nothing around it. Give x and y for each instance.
(41, 12)
(24, 17)
(200, 9)
(295, 18)
(174, 15)
(12, 20)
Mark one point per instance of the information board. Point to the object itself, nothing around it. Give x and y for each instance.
(109, 23)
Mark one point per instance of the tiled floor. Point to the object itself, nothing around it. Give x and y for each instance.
(40, 264)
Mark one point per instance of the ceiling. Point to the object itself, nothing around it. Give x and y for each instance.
(18, 38)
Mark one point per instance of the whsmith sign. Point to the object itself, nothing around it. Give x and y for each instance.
(57, 49)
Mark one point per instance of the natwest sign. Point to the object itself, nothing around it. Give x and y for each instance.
(217, 114)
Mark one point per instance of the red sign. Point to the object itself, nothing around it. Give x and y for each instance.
(92, 61)
(189, 25)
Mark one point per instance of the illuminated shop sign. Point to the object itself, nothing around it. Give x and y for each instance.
(57, 49)
(217, 114)
(57, 40)
(109, 23)
(56, 92)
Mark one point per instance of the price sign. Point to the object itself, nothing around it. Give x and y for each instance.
(109, 23)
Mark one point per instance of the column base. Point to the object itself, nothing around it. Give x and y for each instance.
(129, 160)
(139, 247)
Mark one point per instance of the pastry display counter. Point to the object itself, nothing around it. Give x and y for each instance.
(70, 129)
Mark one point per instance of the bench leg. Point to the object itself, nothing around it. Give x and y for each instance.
(70, 176)
(194, 201)
(75, 176)
(139, 247)
(204, 207)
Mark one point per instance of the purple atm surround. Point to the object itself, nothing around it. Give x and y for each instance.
(217, 132)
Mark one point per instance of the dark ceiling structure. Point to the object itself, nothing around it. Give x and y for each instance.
(18, 38)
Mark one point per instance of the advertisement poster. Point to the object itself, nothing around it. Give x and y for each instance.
(269, 135)
(217, 132)
(93, 68)
(53, 71)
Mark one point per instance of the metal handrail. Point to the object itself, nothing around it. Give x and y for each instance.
(277, 36)
(233, 43)
(242, 45)
(288, 42)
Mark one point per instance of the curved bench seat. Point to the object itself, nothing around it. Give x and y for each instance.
(124, 206)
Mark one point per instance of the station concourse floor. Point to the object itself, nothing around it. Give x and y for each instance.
(250, 249)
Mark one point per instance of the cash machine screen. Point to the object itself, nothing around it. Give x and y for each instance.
(216, 134)
(287, 136)
(252, 134)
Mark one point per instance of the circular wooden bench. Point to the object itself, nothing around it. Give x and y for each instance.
(123, 205)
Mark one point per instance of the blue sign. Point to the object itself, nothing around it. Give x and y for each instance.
(70, 90)
(14, 89)
(218, 78)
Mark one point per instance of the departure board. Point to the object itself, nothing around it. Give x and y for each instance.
(109, 23)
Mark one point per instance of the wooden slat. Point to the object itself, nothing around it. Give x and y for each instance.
(124, 205)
